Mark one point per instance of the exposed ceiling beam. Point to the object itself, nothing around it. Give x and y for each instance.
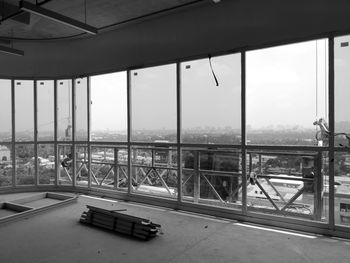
(11, 51)
(46, 13)
(13, 12)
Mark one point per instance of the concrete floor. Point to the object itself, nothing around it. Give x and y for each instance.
(56, 236)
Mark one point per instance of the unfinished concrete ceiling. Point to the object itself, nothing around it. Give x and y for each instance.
(102, 14)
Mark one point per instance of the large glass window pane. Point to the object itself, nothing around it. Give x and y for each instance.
(5, 111)
(342, 91)
(46, 163)
(109, 167)
(81, 162)
(81, 110)
(24, 104)
(212, 177)
(211, 113)
(109, 107)
(25, 164)
(292, 184)
(154, 171)
(64, 110)
(65, 170)
(342, 130)
(342, 188)
(286, 90)
(153, 92)
(45, 110)
(5, 165)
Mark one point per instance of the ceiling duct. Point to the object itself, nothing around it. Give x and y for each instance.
(10, 11)
(51, 15)
(11, 51)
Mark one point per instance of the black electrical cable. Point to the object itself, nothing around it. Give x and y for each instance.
(212, 71)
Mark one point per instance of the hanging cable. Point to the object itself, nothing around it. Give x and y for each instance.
(212, 71)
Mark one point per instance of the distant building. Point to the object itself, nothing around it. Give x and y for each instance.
(347, 161)
(5, 154)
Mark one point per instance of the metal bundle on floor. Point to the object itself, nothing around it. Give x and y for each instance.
(119, 222)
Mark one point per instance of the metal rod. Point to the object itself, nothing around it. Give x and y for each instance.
(13, 152)
(179, 130)
(243, 133)
(331, 97)
(65, 20)
(17, 13)
(73, 107)
(129, 130)
(267, 195)
(88, 108)
(295, 197)
(36, 164)
(57, 157)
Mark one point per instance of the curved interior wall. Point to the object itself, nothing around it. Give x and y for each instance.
(207, 28)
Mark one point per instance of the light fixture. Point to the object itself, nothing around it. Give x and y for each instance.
(43, 12)
(11, 51)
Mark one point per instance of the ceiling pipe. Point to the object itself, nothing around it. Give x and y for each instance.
(51, 15)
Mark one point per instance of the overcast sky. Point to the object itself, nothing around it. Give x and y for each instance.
(282, 84)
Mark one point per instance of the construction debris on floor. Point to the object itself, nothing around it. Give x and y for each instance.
(126, 224)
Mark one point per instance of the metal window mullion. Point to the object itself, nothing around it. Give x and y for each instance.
(89, 129)
(331, 97)
(243, 132)
(55, 134)
(73, 131)
(36, 169)
(129, 101)
(179, 129)
(13, 145)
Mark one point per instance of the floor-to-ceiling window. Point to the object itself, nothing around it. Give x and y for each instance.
(64, 131)
(77, 130)
(45, 93)
(109, 154)
(24, 132)
(287, 105)
(342, 131)
(211, 116)
(5, 133)
(154, 119)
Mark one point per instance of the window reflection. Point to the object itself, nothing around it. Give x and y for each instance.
(45, 110)
(109, 107)
(64, 110)
(25, 164)
(210, 113)
(5, 111)
(5, 165)
(81, 115)
(287, 91)
(154, 104)
(24, 114)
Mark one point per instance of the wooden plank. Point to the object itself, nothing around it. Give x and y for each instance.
(93, 221)
(119, 215)
(120, 223)
(102, 226)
